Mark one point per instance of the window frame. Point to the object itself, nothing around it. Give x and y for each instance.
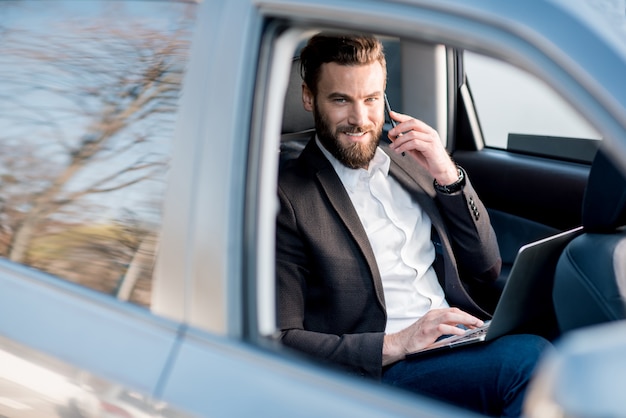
(487, 37)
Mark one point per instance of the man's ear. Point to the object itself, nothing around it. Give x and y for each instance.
(307, 98)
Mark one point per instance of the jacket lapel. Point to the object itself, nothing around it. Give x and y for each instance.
(332, 187)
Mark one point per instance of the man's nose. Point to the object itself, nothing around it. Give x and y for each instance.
(358, 114)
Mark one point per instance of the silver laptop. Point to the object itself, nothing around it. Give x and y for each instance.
(526, 301)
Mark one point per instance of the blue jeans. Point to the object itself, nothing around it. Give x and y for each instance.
(489, 378)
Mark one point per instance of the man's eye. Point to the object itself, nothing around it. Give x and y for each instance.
(339, 100)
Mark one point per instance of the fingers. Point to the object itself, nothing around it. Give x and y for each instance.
(431, 326)
(422, 142)
(425, 143)
(438, 322)
(408, 123)
(453, 317)
(414, 135)
(445, 329)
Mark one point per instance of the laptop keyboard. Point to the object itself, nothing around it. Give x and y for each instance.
(471, 334)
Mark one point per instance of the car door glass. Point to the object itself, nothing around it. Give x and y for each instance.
(88, 97)
(514, 106)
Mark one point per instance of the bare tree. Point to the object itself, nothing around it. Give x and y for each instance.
(85, 111)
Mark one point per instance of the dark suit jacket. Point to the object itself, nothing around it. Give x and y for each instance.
(330, 296)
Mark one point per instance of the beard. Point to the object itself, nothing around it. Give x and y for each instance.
(355, 155)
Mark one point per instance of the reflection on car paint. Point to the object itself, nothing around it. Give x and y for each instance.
(34, 385)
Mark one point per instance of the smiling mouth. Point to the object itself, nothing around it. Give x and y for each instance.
(355, 135)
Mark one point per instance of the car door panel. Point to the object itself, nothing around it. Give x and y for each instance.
(528, 197)
(94, 332)
(539, 189)
(276, 382)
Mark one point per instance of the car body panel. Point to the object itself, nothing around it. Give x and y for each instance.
(212, 145)
(203, 348)
(567, 384)
(57, 337)
(130, 344)
(247, 381)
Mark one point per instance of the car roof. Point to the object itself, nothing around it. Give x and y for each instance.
(603, 16)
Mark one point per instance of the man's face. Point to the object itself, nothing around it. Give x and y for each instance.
(349, 111)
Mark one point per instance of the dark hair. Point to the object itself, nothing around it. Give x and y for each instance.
(356, 49)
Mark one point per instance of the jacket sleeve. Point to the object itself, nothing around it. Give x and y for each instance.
(472, 237)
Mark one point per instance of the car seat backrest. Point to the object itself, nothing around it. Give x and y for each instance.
(295, 118)
(298, 124)
(590, 278)
(604, 204)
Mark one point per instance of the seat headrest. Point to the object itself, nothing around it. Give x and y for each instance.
(604, 205)
(295, 118)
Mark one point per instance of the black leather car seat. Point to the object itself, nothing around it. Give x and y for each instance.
(590, 277)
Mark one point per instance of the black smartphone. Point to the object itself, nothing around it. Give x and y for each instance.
(388, 111)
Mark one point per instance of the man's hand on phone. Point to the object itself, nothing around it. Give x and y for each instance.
(418, 139)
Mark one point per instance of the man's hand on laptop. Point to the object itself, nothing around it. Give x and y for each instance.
(425, 331)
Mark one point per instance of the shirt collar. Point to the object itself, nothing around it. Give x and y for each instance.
(350, 176)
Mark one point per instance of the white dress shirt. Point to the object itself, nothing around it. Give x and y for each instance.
(399, 233)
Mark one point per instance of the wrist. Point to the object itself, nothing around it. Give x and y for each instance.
(451, 187)
(392, 350)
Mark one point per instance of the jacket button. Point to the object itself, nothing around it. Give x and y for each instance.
(474, 208)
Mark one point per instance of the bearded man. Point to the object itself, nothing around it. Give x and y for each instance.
(375, 239)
